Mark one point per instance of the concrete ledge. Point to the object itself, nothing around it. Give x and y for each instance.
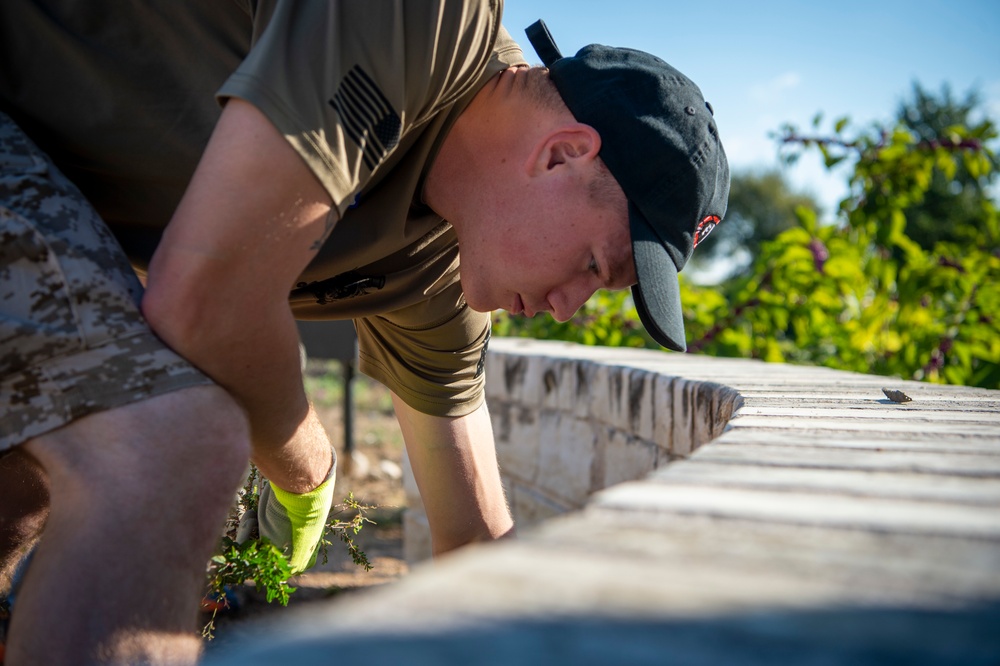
(805, 519)
(572, 420)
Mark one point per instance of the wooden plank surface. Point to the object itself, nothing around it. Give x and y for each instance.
(986, 445)
(930, 462)
(855, 482)
(807, 508)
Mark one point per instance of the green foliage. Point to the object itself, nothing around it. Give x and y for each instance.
(861, 294)
(956, 194)
(347, 529)
(257, 559)
(761, 205)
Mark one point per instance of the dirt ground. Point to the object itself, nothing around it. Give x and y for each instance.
(374, 479)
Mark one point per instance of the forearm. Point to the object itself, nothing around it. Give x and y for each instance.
(258, 363)
(300, 463)
(218, 285)
(454, 464)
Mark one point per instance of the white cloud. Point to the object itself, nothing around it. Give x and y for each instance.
(767, 91)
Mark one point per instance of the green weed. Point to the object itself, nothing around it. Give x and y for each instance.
(258, 560)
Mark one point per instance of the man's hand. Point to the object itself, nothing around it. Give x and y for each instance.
(296, 521)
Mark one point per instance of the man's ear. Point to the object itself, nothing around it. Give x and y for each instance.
(562, 145)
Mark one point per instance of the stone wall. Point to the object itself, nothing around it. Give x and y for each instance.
(792, 515)
(574, 420)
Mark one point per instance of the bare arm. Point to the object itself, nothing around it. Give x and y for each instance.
(218, 286)
(455, 466)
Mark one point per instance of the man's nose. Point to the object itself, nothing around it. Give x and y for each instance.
(570, 298)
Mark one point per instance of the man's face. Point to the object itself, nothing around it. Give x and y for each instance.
(546, 257)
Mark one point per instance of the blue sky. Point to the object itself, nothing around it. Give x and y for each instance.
(763, 63)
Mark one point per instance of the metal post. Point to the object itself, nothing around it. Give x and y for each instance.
(347, 463)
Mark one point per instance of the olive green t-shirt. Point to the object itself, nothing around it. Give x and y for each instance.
(121, 96)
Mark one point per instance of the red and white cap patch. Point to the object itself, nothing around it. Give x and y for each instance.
(705, 228)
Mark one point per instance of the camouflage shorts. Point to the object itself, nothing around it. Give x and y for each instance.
(72, 339)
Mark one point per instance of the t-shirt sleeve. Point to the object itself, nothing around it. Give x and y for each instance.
(345, 80)
(434, 364)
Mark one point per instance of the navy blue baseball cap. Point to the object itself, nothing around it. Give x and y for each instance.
(660, 142)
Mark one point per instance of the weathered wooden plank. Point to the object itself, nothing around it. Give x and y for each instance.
(902, 426)
(869, 395)
(862, 407)
(971, 465)
(904, 485)
(874, 440)
(865, 563)
(903, 412)
(884, 515)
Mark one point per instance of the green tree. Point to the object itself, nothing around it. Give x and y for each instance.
(952, 205)
(863, 295)
(762, 204)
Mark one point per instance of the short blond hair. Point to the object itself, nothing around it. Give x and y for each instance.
(603, 189)
(541, 91)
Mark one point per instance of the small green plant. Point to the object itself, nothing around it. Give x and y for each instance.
(257, 559)
(346, 530)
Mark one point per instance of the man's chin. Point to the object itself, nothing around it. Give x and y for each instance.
(479, 306)
(477, 302)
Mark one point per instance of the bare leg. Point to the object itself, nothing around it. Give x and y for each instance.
(139, 495)
(23, 510)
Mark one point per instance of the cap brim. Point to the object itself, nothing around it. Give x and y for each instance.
(657, 295)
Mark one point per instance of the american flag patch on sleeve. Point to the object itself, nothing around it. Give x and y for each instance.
(367, 116)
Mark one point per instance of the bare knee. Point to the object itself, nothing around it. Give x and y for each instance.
(182, 452)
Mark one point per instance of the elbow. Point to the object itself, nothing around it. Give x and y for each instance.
(177, 316)
(443, 543)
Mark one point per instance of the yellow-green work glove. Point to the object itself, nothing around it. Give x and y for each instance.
(296, 521)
